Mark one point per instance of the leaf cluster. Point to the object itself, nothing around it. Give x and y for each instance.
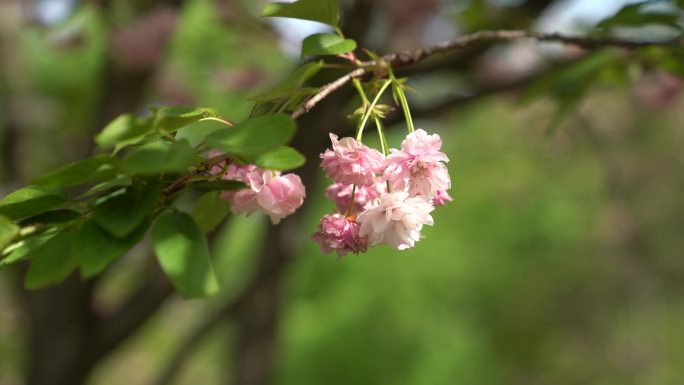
(86, 214)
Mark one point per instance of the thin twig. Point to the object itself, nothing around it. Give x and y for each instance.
(327, 90)
(406, 58)
(180, 183)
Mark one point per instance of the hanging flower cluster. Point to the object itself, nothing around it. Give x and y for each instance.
(268, 191)
(382, 199)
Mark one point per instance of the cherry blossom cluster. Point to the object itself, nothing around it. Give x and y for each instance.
(270, 192)
(382, 199)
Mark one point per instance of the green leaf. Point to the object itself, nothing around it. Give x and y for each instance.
(254, 136)
(322, 11)
(195, 133)
(283, 158)
(110, 184)
(121, 213)
(94, 248)
(51, 262)
(210, 210)
(159, 157)
(292, 83)
(170, 119)
(8, 231)
(125, 129)
(24, 248)
(326, 44)
(51, 217)
(90, 170)
(30, 201)
(217, 185)
(183, 254)
(635, 15)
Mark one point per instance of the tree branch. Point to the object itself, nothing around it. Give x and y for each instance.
(327, 90)
(180, 183)
(402, 59)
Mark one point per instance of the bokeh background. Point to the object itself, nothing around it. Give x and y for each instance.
(560, 260)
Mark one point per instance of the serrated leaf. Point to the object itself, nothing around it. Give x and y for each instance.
(254, 136)
(51, 262)
(94, 248)
(90, 170)
(210, 210)
(30, 201)
(126, 129)
(8, 231)
(122, 213)
(159, 157)
(322, 11)
(326, 44)
(217, 185)
(170, 119)
(292, 83)
(183, 254)
(283, 158)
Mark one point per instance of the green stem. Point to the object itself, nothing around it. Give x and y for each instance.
(381, 134)
(362, 93)
(399, 90)
(359, 135)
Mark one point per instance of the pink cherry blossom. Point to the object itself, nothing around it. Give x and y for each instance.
(363, 196)
(351, 162)
(339, 233)
(417, 167)
(269, 192)
(242, 199)
(240, 173)
(441, 198)
(395, 219)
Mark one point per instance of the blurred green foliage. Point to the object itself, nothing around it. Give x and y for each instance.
(559, 260)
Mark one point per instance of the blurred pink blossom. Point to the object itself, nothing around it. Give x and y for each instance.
(441, 198)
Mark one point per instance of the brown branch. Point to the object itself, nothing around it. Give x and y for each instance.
(327, 90)
(402, 59)
(448, 103)
(586, 42)
(180, 183)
